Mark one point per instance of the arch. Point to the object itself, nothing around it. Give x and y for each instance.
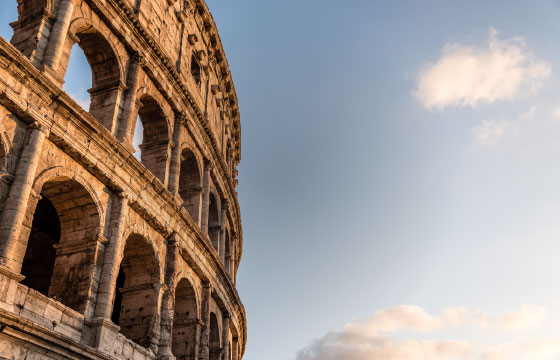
(190, 184)
(155, 136)
(214, 342)
(186, 326)
(106, 69)
(58, 172)
(214, 223)
(136, 295)
(64, 232)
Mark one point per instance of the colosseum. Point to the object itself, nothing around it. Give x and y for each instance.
(107, 252)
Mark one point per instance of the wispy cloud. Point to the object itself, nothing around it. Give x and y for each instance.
(467, 75)
(376, 338)
(491, 132)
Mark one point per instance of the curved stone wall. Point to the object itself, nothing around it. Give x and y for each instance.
(104, 254)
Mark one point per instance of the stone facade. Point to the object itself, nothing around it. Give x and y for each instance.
(103, 256)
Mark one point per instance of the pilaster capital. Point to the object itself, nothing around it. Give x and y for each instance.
(173, 240)
(37, 125)
(123, 196)
(181, 118)
(138, 58)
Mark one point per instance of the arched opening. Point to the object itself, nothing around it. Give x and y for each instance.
(137, 138)
(106, 89)
(214, 345)
(136, 298)
(155, 137)
(214, 223)
(38, 262)
(78, 77)
(190, 188)
(185, 322)
(59, 257)
(195, 71)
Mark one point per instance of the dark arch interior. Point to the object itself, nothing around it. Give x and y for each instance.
(65, 221)
(135, 295)
(117, 304)
(195, 71)
(185, 322)
(38, 262)
(215, 348)
(154, 138)
(214, 223)
(190, 188)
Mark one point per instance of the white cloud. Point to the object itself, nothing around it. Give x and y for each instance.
(467, 75)
(547, 348)
(336, 346)
(376, 338)
(525, 318)
(491, 132)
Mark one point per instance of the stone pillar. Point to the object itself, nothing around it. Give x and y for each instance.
(125, 130)
(204, 342)
(222, 246)
(58, 34)
(228, 264)
(17, 200)
(175, 163)
(31, 33)
(205, 197)
(235, 349)
(225, 336)
(168, 302)
(111, 260)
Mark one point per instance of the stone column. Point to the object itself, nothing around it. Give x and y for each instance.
(168, 302)
(228, 264)
(111, 260)
(175, 163)
(235, 349)
(125, 130)
(204, 342)
(205, 197)
(225, 336)
(17, 200)
(58, 34)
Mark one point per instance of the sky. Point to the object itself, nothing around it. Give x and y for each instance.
(399, 176)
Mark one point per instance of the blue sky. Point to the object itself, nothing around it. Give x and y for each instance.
(399, 176)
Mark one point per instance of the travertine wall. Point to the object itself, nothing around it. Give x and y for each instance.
(103, 256)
